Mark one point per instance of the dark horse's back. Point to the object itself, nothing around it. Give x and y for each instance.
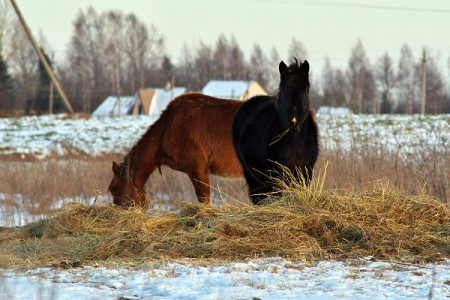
(261, 144)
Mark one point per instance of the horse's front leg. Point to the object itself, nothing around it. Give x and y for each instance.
(200, 180)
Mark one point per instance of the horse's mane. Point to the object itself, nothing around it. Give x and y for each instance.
(131, 155)
(294, 66)
(127, 160)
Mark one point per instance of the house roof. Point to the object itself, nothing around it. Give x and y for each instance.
(227, 89)
(153, 100)
(114, 106)
(161, 99)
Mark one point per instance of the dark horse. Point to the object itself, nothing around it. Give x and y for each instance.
(192, 135)
(273, 131)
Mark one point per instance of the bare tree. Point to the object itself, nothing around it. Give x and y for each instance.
(6, 82)
(135, 45)
(274, 75)
(436, 95)
(384, 74)
(6, 89)
(6, 21)
(203, 65)
(110, 53)
(340, 88)
(81, 58)
(84, 71)
(405, 81)
(23, 64)
(115, 52)
(259, 66)
(333, 85)
(151, 59)
(229, 63)
(297, 50)
(361, 81)
(237, 62)
(221, 56)
(185, 71)
(144, 51)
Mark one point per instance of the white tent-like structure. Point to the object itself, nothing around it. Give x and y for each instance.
(152, 101)
(233, 89)
(114, 106)
(149, 101)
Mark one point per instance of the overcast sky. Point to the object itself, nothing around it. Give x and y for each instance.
(327, 28)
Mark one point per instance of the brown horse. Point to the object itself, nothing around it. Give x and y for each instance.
(192, 135)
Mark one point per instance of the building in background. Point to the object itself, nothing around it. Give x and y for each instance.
(152, 101)
(233, 89)
(114, 106)
(149, 101)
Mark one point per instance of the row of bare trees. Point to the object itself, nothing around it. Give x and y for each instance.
(384, 87)
(116, 53)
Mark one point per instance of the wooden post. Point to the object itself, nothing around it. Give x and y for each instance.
(42, 57)
(172, 83)
(424, 81)
(50, 100)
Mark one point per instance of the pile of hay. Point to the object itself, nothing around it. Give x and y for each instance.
(299, 224)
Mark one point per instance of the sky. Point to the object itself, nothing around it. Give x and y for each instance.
(328, 28)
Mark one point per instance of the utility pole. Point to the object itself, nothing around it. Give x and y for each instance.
(50, 99)
(44, 61)
(424, 80)
(172, 86)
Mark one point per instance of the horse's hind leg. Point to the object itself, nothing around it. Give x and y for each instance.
(200, 180)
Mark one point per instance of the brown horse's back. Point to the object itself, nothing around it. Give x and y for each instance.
(198, 132)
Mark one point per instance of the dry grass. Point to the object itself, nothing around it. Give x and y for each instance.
(43, 183)
(428, 169)
(371, 202)
(297, 223)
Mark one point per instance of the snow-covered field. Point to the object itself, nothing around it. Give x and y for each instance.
(272, 278)
(47, 135)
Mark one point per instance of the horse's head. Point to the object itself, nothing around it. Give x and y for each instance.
(294, 93)
(123, 190)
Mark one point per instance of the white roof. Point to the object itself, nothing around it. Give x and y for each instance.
(328, 110)
(162, 97)
(114, 106)
(227, 89)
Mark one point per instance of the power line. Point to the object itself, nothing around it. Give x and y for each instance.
(360, 6)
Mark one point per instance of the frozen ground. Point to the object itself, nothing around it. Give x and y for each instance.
(47, 135)
(272, 278)
(19, 214)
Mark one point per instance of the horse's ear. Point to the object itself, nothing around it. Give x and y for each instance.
(115, 169)
(283, 68)
(304, 68)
